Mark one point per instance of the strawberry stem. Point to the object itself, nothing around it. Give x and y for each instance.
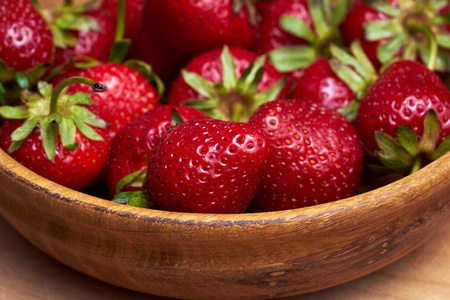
(96, 87)
(120, 47)
(433, 45)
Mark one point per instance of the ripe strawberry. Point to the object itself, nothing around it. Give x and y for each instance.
(207, 166)
(294, 33)
(53, 136)
(390, 30)
(271, 35)
(94, 41)
(315, 155)
(321, 84)
(232, 82)
(129, 93)
(402, 96)
(25, 38)
(136, 141)
(176, 31)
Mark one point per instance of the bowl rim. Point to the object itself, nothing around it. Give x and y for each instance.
(27, 177)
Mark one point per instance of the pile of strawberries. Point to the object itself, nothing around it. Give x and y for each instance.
(226, 106)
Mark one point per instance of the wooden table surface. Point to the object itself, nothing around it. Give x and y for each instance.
(27, 273)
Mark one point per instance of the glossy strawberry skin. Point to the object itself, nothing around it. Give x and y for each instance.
(91, 43)
(209, 66)
(175, 31)
(320, 84)
(136, 141)
(73, 169)
(208, 166)
(315, 156)
(403, 94)
(271, 35)
(128, 94)
(25, 38)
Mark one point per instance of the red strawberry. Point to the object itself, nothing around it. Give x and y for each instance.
(321, 84)
(207, 166)
(25, 38)
(410, 30)
(315, 155)
(228, 78)
(271, 35)
(176, 31)
(402, 96)
(136, 141)
(57, 143)
(133, 18)
(129, 93)
(95, 42)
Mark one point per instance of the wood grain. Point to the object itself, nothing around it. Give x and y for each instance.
(27, 273)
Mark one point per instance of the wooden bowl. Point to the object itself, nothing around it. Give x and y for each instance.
(212, 256)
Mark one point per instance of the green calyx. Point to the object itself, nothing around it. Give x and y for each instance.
(234, 98)
(356, 70)
(12, 83)
(326, 19)
(54, 111)
(414, 29)
(63, 21)
(408, 153)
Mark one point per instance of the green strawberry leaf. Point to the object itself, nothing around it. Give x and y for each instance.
(202, 104)
(378, 30)
(134, 179)
(136, 199)
(25, 129)
(350, 110)
(49, 134)
(269, 94)
(199, 84)
(22, 80)
(45, 89)
(229, 69)
(86, 130)
(2, 95)
(297, 27)
(443, 148)
(290, 58)
(321, 26)
(392, 154)
(10, 112)
(430, 135)
(67, 132)
(386, 52)
(252, 74)
(408, 139)
(119, 51)
(79, 98)
(385, 7)
(443, 40)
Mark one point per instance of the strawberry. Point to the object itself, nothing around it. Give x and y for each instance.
(315, 155)
(228, 83)
(294, 33)
(271, 35)
(129, 93)
(405, 116)
(94, 39)
(136, 141)
(207, 166)
(321, 84)
(26, 48)
(25, 38)
(176, 31)
(52, 135)
(391, 30)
